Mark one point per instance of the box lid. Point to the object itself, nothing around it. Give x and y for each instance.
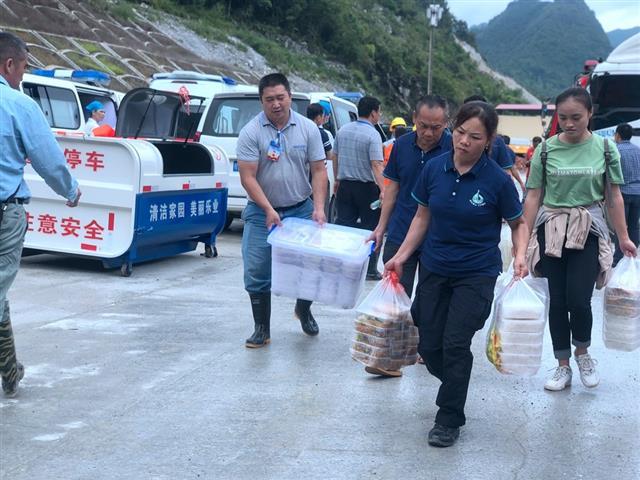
(327, 240)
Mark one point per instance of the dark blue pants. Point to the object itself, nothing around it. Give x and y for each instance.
(632, 216)
(408, 269)
(353, 201)
(449, 311)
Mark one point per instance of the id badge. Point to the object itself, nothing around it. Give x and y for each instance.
(274, 151)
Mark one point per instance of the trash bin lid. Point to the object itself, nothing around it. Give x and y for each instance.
(149, 113)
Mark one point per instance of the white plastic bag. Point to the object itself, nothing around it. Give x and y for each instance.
(621, 325)
(520, 301)
(520, 311)
(385, 336)
(506, 246)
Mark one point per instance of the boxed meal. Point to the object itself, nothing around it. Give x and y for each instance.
(621, 325)
(385, 336)
(514, 341)
(325, 263)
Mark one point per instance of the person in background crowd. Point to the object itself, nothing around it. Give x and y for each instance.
(25, 134)
(358, 170)
(326, 105)
(535, 141)
(97, 115)
(630, 162)
(396, 123)
(462, 198)
(316, 114)
(570, 237)
(276, 151)
(499, 152)
(521, 170)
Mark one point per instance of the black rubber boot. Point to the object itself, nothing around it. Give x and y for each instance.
(303, 313)
(261, 307)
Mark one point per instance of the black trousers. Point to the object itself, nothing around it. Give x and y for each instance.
(353, 201)
(449, 311)
(632, 216)
(409, 268)
(571, 281)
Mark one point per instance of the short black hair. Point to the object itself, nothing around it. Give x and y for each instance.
(432, 101)
(273, 80)
(12, 47)
(480, 110)
(625, 131)
(314, 110)
(506, 139)
(580, 95)
(366, 105)
(475, 98)
(536, 140)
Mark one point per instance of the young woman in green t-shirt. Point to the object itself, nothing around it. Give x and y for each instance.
(575, 177)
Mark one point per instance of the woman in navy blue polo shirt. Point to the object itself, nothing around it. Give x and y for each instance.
(463, 197)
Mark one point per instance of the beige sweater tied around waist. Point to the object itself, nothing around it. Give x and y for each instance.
(570, 227)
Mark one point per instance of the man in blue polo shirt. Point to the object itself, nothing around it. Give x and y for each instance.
(409, 155)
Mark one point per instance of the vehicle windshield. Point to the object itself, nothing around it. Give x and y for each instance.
(616, 99)
(227, 116)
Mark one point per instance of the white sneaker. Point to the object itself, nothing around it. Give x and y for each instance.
(587, 367)
(560, 379)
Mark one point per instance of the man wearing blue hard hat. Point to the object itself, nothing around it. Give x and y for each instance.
(97, 115)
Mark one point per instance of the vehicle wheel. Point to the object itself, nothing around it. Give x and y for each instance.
(228, 222)
(126, 269)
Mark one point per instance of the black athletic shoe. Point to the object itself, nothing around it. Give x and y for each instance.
(441, 436)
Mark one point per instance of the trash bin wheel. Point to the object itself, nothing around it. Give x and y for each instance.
(126, 269)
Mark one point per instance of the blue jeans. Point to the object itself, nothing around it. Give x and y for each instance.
(256, 252)
(12, 230)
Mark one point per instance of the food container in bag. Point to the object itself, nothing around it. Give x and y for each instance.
(514, 341)
(385, 336)
(325, 263)
(621, 325)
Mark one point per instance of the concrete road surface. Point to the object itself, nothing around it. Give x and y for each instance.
(147, 377)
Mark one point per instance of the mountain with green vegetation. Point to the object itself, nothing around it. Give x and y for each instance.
(379, 47)
(541, 44)
(616, 37)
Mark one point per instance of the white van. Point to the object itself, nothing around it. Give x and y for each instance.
(198, 84)
(63, 102)
(229, 112)
(615, 90)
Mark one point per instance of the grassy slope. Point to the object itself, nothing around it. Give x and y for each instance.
(379, 48)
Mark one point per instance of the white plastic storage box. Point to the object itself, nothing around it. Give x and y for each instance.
(327, 264)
